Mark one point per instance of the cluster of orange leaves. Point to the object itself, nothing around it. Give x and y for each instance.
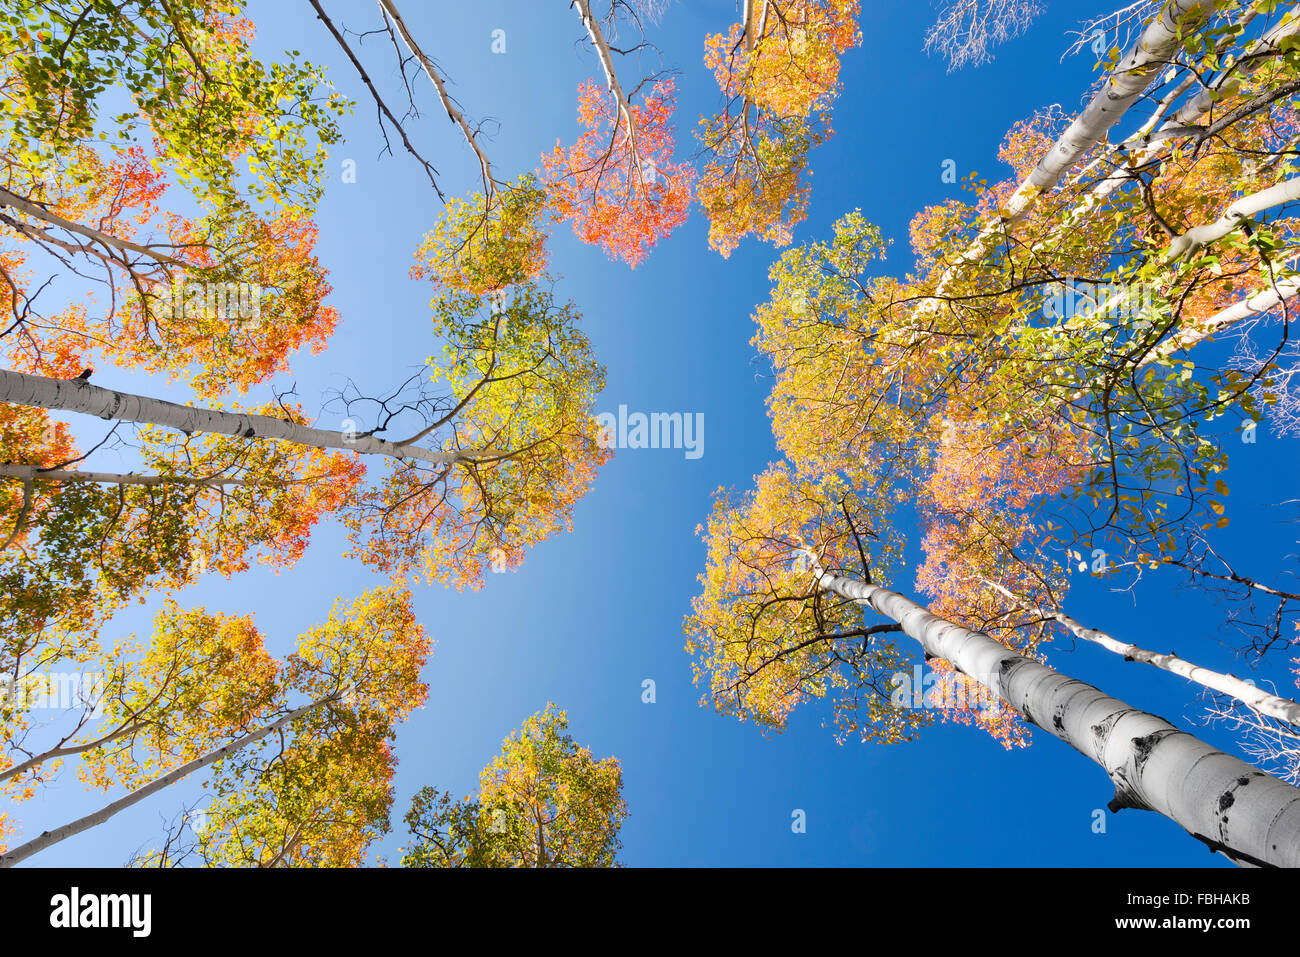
(120, 197)
(622, 192)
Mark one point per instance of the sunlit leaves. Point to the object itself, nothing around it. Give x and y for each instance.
(193, 80)
(765, 637)
(544, 801)
(622, 192)
(524, 437)
(482, 245)
(778, 74)
(318, 794)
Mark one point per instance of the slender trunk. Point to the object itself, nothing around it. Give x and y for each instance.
(24, 512)
(1251, 817)
(1257, 699)
(456, 116)
(1123, 86)
(62, 752)
(1196, 332)
(1147, 143)
(1125, 83)
(747, 22)
(15, 201)
(76, 395)
(36, 473)
(36, 845)
(607, 64)
(1186, 245)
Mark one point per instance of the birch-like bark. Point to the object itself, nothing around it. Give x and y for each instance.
(1150, 142)
(456, 116)
(611, 78)
(1186, 245)
(747, 22)
(1257, 699)
(54, 219)
(49, 838)
(76, 395)
(1256, 305)
(63, 752)
(35, 473)
(1251, 817)
(1124, 84)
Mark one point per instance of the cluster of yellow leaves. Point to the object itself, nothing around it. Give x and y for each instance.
(764, 635)
(525, 444)
(316, 794)
(482, 245)
(544, 801)
(778, 77)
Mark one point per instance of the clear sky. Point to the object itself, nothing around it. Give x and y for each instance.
(592, 614)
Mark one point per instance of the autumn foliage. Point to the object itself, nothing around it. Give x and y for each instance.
(618, 184)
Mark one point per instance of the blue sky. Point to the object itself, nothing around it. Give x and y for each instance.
(592, 614)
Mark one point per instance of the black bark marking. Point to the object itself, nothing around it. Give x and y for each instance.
(249, 432)
(1218, 847)
(1005, 667)
(1143, 746)
(1227, 799)
(1101, 733)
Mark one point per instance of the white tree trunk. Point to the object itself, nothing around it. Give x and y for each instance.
(1131, 76)
(76, 395)
(1257, 699)
(48, 838)
(456, 116)
(1140, 149)
(1251, 817)
(1196, 332)
(54, 219)
(1186, 245)
(1123, 86)
(62, 752)
(611, 78)
(35, 473)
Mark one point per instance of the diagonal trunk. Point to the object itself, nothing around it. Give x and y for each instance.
(1146, 145)
(37, 760)
(76, 395)
(1251, 817)
(36, 473)
(14, 201)
(1123, 85)
(453, 113)
(1200, 330)
(605, 55)
(1257, 699)
(38, 844)
(1126, 82)
(1186, 245)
